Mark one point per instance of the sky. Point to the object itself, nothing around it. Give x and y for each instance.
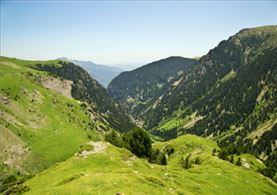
(124, 33)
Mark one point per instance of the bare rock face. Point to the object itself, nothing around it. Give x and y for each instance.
(63, 87)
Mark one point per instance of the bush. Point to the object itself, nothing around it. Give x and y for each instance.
(197, 161)
(114, 138)
(186, 162)
(223, 154)
(156, 156)
(138, 142)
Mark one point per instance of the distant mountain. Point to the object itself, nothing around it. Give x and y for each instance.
(102, 73)
(137, 89)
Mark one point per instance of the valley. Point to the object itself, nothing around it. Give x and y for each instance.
(173, 126)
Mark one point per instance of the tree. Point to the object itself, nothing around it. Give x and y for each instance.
(223, 154)
(138, 142)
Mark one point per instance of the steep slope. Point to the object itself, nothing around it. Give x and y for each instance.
(106, 169)
(41, 123)
(139, 88)
(102, 73)
(87, 89)
(230, 78)
(230, 94)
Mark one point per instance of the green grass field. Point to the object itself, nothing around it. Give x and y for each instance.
(116, 170)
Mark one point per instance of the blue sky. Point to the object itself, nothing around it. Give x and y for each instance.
(124, 32)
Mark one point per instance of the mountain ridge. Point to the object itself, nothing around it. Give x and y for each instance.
(102, 73)
(137, 88)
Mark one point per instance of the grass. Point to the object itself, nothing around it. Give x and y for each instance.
(117, 170)
(177, 121)
(232, 74)
(51, 126)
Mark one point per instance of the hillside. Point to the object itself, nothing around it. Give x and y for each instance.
(55, 117)
(85, 88)
(237, 70)
(105, 169)
(42, 123)
(102, 73)
(230, 95)
(137, 89)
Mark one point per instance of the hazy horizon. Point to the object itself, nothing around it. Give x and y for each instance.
(123, 33)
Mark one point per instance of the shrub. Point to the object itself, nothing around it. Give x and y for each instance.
(197, 160)
(186, 162)
(156, 156)
(223, 154)
(114, 138)
(138, 142)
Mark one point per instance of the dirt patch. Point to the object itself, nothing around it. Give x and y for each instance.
(98, 147)
(61, 86)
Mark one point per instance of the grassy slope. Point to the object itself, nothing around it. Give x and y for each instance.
(48, 126)
(116, 170)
